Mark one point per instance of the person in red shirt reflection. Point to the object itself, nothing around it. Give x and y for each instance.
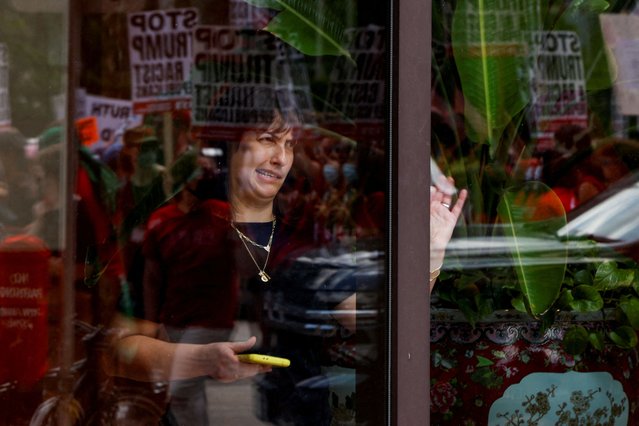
(261, 244)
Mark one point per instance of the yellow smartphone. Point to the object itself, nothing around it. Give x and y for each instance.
(264, 359)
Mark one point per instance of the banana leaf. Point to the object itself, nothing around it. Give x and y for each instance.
(490, 49)
(314, 27)
(582, 17)
(539, 282)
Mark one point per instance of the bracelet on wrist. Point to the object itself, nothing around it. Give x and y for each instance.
(434, 274)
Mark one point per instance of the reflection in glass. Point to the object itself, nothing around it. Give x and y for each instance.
(229, 166)
(532, 119)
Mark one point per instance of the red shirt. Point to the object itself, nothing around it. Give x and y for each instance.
(199, 284)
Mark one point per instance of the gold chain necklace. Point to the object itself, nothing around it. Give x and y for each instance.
(244, 237)
(263, 275)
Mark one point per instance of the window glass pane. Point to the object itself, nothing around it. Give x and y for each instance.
(228, 195)
(534, 110)
(33, 244)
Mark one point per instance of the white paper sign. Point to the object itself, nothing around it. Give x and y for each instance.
(356, 90)
(5, 105)
(621, 34)
(160, 50)
(559, 84)
(112, 115)
(238, 74)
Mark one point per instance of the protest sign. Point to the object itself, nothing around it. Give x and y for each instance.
(112, 115)
(59, 105)
(621, 34)
(5, 106)
(87, 128)
(160, 50)
(356, 91)
(558, 86)
(238, 74)
(24, 292)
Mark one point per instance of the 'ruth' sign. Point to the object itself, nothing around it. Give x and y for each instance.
(160, 46)
(112, 115)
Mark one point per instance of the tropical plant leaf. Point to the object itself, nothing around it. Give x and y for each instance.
(624, 337)
(583, 276)
(314, 27)
(582, 17)
(629, 307)
(519, 304)
(540, 282)
(585, 298)
(597, 340)
(610, 277)
(576, 340)
(491, 58)
(483, 362)
(488, 378)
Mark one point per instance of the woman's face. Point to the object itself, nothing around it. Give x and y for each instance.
(261, 163)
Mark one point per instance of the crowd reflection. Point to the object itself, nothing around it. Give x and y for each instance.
(265, 231)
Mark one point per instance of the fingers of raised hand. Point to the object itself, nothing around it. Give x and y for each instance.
(459, 204)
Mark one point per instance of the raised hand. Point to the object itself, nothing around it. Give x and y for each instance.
(443, 218)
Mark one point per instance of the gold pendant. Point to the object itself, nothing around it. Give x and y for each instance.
(264, 276)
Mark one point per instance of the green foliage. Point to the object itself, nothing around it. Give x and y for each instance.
(582, 17)
(491, 60)
(35, 43)
(483, 362)
(583, 298)
(314, 27)
(624, 337)
(597, 340)
(610, 290)
(628, 308)
(540, 283)
(610, 277)
(488, 378)
(491, 56)
(576, 340)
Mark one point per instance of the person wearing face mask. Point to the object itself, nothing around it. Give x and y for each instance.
(339, 213)
(141, 174)
(188, 285)
(141, 191)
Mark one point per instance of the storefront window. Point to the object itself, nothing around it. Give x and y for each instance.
(533, 110)
(200, 180)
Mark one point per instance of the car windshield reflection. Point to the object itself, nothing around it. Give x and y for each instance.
(606, 228)
(612, 217)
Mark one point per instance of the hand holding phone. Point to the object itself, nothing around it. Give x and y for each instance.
(264, 360)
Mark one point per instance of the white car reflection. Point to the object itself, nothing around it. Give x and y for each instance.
(612, 217)
(606, 228)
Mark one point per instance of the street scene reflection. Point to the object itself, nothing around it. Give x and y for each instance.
(205, 180)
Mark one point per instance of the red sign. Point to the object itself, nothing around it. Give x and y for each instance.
(87, 128)
(24, 288)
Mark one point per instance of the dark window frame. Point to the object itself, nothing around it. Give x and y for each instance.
(410, 301)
